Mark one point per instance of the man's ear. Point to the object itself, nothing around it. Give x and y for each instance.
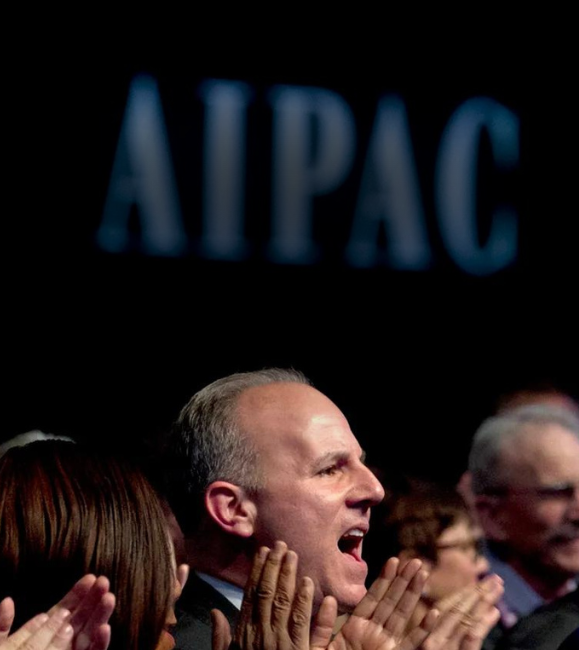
(230, 507)
(490, 513)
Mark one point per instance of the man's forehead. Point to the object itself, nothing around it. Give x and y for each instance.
(293, 413)
(283, 399)
(537, 438)
(538, 448)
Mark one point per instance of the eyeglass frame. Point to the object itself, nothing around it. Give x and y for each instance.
(476, 544)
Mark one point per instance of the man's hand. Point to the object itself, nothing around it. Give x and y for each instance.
(467, 618)
(380, 619)
(78, 622)
(276, 614)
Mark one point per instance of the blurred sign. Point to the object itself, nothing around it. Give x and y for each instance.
(381, 215)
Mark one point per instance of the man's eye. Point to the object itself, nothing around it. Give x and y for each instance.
(565, 491)
(328, 471)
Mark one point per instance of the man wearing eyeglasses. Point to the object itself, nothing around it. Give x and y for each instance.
(525, 477)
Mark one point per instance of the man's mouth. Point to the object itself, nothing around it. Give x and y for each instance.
(351, 543)
(567, 535)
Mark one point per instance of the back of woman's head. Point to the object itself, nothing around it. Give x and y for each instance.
(66, 511)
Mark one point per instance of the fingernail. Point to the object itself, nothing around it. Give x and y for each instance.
(62, 614)
(67, 631)
(82, 642)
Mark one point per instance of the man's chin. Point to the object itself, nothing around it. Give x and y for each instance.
(348, 602)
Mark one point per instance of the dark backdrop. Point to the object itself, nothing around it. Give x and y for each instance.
(109, 346)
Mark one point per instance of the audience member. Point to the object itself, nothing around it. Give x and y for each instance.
(537, 393)
(546, 628)
(66, 511)
(259, 457)
(525, 477)
(430, 522)
(543, 392)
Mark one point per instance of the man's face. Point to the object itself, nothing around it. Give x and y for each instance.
(540, 523)
(318, 492)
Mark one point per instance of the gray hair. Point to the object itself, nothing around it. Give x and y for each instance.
(207, 444)
(27, 437)
(496, 432)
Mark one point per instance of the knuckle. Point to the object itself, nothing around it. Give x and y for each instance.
(265, 592)
(282, 601)
(299, 618)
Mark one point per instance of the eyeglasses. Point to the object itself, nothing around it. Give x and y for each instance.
(474, 546)
(558, 491)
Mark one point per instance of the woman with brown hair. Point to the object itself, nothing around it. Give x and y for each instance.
(65, 512)
(430, 522)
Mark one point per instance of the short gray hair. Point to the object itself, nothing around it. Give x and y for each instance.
(495, 433)
(207, 444)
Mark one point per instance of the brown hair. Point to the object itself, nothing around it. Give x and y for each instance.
(412, 519)
(66, 511)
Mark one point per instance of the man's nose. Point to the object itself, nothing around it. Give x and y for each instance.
(368, 489)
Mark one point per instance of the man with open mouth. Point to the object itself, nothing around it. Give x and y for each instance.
(262, 456)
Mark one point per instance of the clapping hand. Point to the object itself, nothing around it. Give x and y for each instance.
(380, 621)
(276, 613)
(467, 617)
(78, 622)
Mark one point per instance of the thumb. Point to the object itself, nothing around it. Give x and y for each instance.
(323, 625)
(6, 617)
(220, 631)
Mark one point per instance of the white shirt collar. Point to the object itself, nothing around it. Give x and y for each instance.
(233, 593)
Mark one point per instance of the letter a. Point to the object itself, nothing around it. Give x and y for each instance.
(142, 176)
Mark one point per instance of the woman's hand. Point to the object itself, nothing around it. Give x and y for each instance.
(78, 622)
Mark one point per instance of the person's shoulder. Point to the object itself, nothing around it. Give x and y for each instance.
(546, 627)
(193, 611)
(571, 642)
(199, 598)
(494, 637)
(192, 633)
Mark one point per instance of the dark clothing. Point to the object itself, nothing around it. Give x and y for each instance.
(546, 628)
(493, 638)
(193, 629)
(571, 642)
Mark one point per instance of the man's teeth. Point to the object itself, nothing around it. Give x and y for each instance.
(350, 540)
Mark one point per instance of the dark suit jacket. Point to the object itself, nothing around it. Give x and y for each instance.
(193, 629)
(546, 627)
(571, 642)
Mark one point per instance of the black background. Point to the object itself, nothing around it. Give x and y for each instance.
(109, 347)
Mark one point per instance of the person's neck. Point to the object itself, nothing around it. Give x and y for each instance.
(224, 561)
